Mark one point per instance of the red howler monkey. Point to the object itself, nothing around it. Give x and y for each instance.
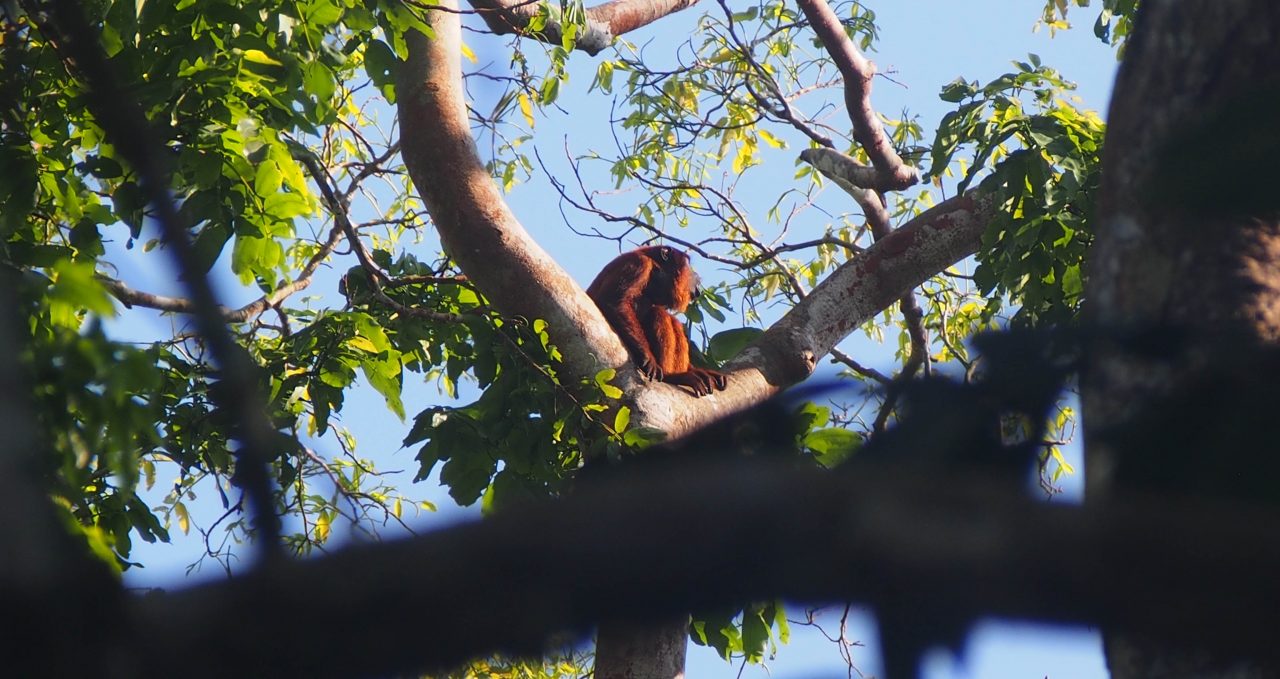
(637, 292)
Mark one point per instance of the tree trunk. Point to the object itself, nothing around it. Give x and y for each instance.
(626, 651)
(1183, 249)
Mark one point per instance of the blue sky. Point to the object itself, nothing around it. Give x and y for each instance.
(924, 45)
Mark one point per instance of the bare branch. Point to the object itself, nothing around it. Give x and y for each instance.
(250, 311)
(858, 72)
(376, 276)
(848, 361)
(846, 172)
(861, 182)
(779, 106)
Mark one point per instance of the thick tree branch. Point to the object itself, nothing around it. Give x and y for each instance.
(854, 293)
(476, 227)
(847, 174)
(858, 72)
(946, 548)
(495, 251)
(895, 264)
(605, 21)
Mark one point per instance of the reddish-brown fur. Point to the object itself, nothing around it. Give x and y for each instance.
(637, 292)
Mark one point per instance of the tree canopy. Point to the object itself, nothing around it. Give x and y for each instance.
(340, 169)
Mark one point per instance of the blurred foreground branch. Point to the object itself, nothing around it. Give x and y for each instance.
(661, 540)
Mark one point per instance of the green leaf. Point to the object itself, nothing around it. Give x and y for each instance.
(208, 246)
(721, 634)
(780, 621)
(285, 204)
(268, 179)
(755, 634)
(100, 167)
(507, 489)
(380, 63)
(725, 345)
(467, 474)
(639, 437)
(42, 255)
(384, 377)
(76, 287)
(97, 541)
(318, 80)
(369, 328)
(260, 57)
(424, 424)
(810, 415)
(18, 171)
(957, 91)
(602, 379)
(247, 256)
(832, 446)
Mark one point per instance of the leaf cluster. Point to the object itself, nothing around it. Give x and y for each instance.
(747, 633)
(1039, 156)
(1113, 26)
(232, 90)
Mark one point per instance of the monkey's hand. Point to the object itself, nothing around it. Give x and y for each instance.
(711, 380)
(648, 366)
(699, 381)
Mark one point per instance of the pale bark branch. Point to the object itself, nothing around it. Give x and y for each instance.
(860, 182)
(475, 224)
(846, 172)
(858, 72)
(853, 294)
(605, 21)
(867, 184)
(500, 257)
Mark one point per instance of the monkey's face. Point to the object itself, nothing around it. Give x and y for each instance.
(673, 282)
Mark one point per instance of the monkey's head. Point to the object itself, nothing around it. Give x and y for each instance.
(673, 283)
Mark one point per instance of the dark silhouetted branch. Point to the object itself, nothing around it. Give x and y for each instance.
(945, 549)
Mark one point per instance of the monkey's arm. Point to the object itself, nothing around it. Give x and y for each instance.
(619, 293)
(671, 347)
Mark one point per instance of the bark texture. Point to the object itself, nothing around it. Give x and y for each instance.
(477, 228)
(628, 651)
(1208, 279)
